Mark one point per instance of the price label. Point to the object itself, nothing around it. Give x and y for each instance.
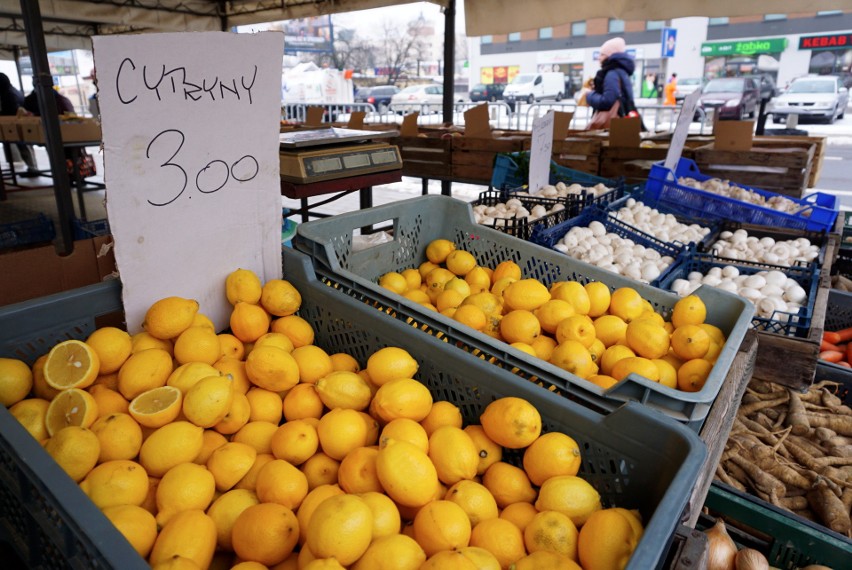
(190, 132)
(681, 131)
(541, 150)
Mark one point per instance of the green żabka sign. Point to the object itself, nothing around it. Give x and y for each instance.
(744, 47)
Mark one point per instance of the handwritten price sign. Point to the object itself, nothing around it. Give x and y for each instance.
(190, 127)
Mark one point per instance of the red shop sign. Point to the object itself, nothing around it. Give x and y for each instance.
(828, 41)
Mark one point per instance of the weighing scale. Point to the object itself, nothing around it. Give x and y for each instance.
(330, 154)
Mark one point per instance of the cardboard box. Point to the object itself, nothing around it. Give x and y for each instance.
(78, 130)
(9, 129)
(40, 271)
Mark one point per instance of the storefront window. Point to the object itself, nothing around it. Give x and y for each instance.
(515, 37)
(486, 39)
(718, 21)
(774, 17)
(830, 13)
(616, 26)
(545, 33)
(831, 62)
(578, 28)
(655, 24)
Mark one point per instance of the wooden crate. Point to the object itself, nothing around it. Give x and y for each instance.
(426, 156)
(473, 158)
(799, 142)
(783, 170)
(634, 163)
(792, 361)
(581, 154)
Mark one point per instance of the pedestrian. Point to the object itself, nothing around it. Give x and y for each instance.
(669, 91)
(612, 84)
(10, 101)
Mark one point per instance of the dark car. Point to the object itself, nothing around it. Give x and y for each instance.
(767, 87)
(731, 97)
(482, 92)
(380, 97)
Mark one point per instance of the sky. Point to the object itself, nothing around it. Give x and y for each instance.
(364, 21)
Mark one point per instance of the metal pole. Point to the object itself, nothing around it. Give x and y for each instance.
(43, 85)
(449, 58)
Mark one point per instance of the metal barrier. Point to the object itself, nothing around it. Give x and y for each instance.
(298, 112)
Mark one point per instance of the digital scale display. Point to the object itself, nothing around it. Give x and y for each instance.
(315, 164)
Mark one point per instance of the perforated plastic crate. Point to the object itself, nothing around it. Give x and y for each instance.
(778, 234)
(818, 210)
(523, 227)
(418, 221)
(27, 232)
(508, 173)
(634, 457)
(549, 237)
(91, 228)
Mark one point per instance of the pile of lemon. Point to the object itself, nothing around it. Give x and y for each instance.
(598, 335)
(258, 449)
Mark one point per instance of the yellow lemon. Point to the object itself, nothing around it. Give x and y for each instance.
(543, 347)
(576, 327)
(17, 386)
(610, 329)
(441, 414)
(280, 298)
(187, 375)
(626, 304)
(295, 442)
(184, 487)
(386, 518)
(312, 500)
(143, 371)
(412, 277)
(552, 531)
(511, 422)
(501, 538)
(449, 559)
(647, 339)
(471, 316)
(527, 294)
(478, 279)
(520, 325)
(231, 347)
(144, 340)
(230, 463)
(600, 298)
(341, 527)
(573, 357)
(576, 294)
(693, 374)
(266, 406)
(301, 402)
(394, 282)
(550, 455)
(554, 312)
(242, 285)
(519, 514)
(314, 363)
(607, 540)
(249, 480)
(113, 347)
(168, 446)
(257, 434)
(294, 327)
(207, 402)
(637, 365)
(136, 524)
(72, 407)
(508, 484)
(119, 435)
(197, 344)
(668, 374)
(474, 499)
(713, 352)
(344, 390)
(272, 368)
(211, 441)
(489, 303)
(426, 267)
(460, 262)
(569, 495)
(716, 334)
(249, 322)
(505, 269)
(225, 510)
(442, 525)
(69, 364)
(449, 299)
(689, 311)
(280, 482)
(405, 429)
(545, 560)
(481, 558)
(169, 317)
(340, 431)
(156, 407)
(395, 552)
(690, 341)
(357, 472)
(500, 286)
(108, 401)
(438, 250)
(119, 482)
(75, 449)
(602, 380)
(406, 473)
(31, 413)
(612, 355)
(276, 339)
(488, 450)
(453, 454)
(266, 533)
(418, 296)
(401, 398)
(237, 416)
(320, 469)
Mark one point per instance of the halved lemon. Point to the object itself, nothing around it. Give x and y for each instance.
(71, 364)
(156, 407)
(72, 407)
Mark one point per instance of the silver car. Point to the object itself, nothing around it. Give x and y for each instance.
(820, 97)
(426, 99)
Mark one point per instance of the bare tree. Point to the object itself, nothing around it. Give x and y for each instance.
(399, 46)
(350, 52)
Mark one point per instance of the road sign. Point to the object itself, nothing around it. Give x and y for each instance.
(668, 41)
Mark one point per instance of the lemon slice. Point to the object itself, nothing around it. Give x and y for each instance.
(72, 407)
(156, 407)
(71, 364)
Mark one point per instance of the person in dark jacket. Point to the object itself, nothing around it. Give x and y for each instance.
(10, 101)
(63, 103)
(612, 82)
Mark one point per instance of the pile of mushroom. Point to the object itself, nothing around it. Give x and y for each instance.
(740, 245)
(664, 227)
(725, 188)
(561, 190)
(612, 252)
(498, 214)
(770, 291)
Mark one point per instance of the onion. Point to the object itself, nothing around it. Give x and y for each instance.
(750, 559)
(721, 549)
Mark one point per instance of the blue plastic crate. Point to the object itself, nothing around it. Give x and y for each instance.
(27, 232)
(781, 322)
(549, 237)
(89, 229)
(506, 175)
(818, 210)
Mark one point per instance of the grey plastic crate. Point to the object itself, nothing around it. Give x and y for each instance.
(634, 457)
(418, 221)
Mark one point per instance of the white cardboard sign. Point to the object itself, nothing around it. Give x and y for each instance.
(681, 132)
(541, 150)
(190, 127)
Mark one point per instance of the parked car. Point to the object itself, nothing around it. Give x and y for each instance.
(767, 87)
(414, 97)
(813, 96)
(686, 86)
(532, 87)
(731, 97)
(460, 92)
(483, 92)
(380, 97)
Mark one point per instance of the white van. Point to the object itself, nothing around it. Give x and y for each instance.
(532, 87)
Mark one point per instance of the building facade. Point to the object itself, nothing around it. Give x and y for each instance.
(779, 45)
